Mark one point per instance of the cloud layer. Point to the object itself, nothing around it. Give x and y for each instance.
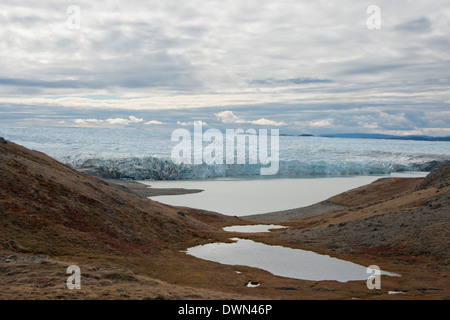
(298, 65)
(228, 117)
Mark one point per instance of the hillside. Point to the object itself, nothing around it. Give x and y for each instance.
(130, 247)
(390, 217)
(53, 216)
(49, 208)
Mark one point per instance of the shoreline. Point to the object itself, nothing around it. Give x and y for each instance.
(245, 197)
(145, 191)
(397, 223)
(289, 215)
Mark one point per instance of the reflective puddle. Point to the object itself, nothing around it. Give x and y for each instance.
(282, 261)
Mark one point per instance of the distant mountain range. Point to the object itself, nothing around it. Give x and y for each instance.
(371, 136)
(384, 136)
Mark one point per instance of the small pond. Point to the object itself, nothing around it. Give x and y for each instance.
(282, 261)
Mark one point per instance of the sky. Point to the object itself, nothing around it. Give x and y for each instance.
(306, 66)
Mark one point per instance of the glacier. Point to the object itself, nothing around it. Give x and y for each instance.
(152, 168)
(145, 154)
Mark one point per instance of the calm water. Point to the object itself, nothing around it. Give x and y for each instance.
(282, 261)
(253, 196)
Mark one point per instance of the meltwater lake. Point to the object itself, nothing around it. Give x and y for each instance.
(244, 196)
(279, 260)
(282, 261)
(250, 196)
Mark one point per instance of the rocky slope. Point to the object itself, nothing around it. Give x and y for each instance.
(390, 217)
(49, 208)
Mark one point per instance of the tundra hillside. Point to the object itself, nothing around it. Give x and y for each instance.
(130, 247)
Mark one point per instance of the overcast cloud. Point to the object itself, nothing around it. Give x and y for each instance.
(303, 66)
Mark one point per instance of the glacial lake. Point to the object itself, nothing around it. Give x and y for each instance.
(241, 197)
(282, 261)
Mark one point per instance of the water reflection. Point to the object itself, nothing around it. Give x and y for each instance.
(282, 261)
